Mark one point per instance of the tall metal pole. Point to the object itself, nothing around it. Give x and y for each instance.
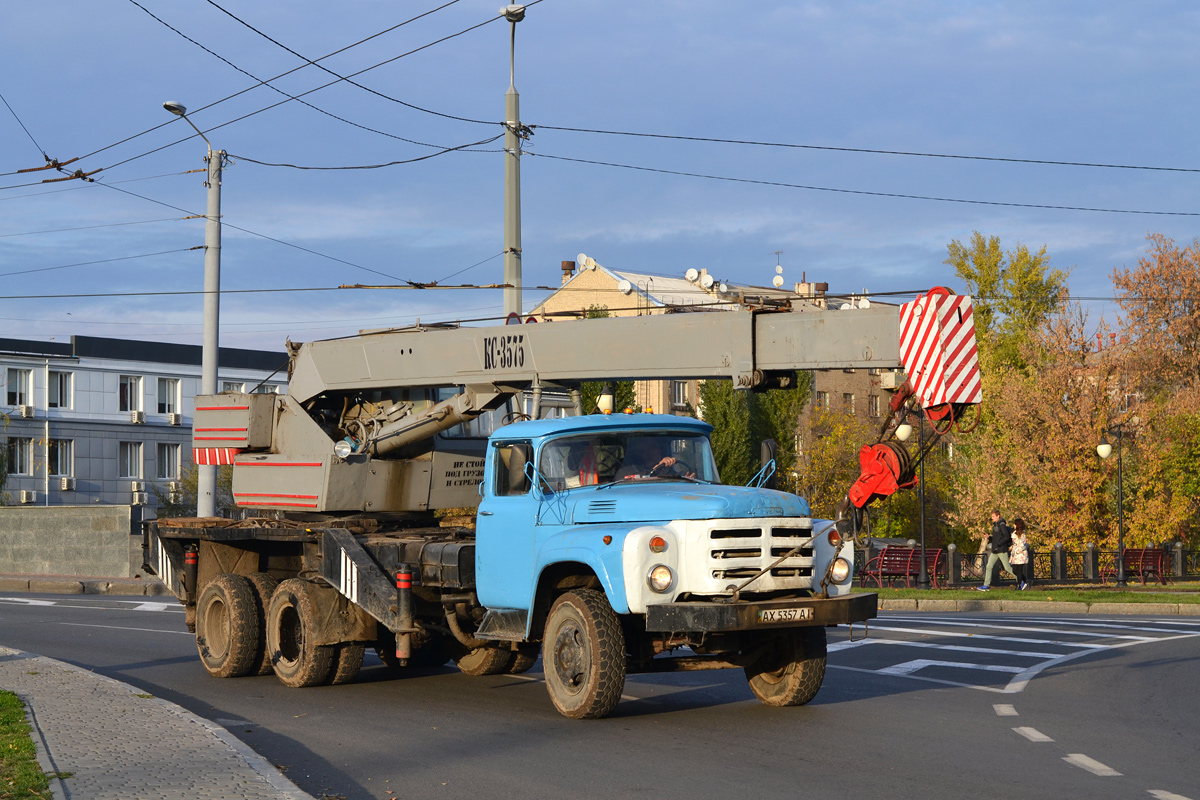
(922, 570)
(1120, 517)
(206, 476)
(512, 173)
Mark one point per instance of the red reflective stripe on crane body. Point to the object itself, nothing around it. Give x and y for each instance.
(214, 456)
(280, 464)
(222, 408)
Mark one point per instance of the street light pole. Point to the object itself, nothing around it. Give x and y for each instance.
(206, 476)
(922, 570)
(1104, 450)
(512, 173)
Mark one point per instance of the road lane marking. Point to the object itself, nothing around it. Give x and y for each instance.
(962, 648)
(175, 608)
(956, 635)
(1033, 734)
(909, 667)
(122, 628)
(1005, 710)
(1091, 765)
(26, 601)
(150, 605)
(1162, 794)
(1010, 627)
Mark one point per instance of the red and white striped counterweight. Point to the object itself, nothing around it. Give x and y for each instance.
(937, 348)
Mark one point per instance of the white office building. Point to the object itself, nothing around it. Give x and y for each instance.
(100, 420)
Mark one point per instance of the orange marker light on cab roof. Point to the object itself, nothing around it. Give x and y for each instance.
(658, 544)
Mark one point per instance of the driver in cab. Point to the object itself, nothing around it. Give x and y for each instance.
(645, 458)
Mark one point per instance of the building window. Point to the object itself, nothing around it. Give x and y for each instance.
(19, 452)
(679, 395)
(58, 394)
(168, 462)
(129, 459)
(168, 395)
(823, 401)
(130, 390)
(266, 388)
(20, 383)
(848, 403)
(232, 386)
(59, 457)
(873, 405)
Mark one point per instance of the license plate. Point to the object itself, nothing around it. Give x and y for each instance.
(767, 615)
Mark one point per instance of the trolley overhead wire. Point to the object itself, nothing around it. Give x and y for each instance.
(864, 192)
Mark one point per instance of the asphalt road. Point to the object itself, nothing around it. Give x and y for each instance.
(929, 705)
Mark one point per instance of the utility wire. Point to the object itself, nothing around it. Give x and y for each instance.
(862, 191)
(87, 185)
(1099, 165)
(93, 227)
(100, 261)
(309, 62)
(22, 124)
(376, 166)
(296, 69)
(262, 82)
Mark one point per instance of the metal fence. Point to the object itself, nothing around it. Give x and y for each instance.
(1057, 565)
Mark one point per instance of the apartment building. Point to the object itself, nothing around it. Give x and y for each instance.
(101, 420)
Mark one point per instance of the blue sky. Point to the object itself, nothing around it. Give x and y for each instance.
(1101, 82)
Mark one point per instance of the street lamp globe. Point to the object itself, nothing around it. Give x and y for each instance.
(1104, 449)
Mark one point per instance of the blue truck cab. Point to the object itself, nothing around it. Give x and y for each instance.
(611, 541)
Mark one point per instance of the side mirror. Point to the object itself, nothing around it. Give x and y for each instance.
(767, 456)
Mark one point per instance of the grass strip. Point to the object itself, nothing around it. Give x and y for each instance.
(1188, 593)
(21, 778)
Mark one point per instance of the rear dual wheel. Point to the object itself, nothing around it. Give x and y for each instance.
(228, 626)
(291, 636)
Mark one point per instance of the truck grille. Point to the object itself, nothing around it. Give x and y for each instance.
(741, 553)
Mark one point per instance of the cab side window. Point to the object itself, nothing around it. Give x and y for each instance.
(511, 478)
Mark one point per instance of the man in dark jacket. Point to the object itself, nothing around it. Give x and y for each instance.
(1001, 541)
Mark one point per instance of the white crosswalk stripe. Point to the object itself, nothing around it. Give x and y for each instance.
(977, 651)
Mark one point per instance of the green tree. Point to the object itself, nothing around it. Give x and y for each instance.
(183, 502)
(1013, 293)
(624, 395)
(742, 419)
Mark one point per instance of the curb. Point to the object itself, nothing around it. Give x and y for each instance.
(72, 584)
(57, 790)
(1047, 607)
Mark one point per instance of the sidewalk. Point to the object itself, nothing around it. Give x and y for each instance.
(74, 584)
(118, 743)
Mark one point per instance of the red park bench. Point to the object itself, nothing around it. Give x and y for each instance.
(903, 562)
(1144, 562)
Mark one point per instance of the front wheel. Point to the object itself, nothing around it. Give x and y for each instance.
(791, 668)
(584, 655)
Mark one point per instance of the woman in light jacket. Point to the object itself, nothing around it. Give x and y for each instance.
(1018, 555)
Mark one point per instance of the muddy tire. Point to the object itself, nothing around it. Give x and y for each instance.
(790, 671)
(264, 586)
(347, 662)
(483, 661)
(584, 655)
(227, 626)
(523, 658)
(297, 660)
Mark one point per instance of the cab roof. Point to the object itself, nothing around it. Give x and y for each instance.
(534, 429)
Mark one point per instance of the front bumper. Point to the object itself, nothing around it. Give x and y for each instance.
(742, 616)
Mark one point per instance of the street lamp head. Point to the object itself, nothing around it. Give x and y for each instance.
(513, 13)
(903, 431)
(1104, 449)
(176, 108)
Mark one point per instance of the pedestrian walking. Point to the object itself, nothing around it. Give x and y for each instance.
(1001, 541)
(1018, 555)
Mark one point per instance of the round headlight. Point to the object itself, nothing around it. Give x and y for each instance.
(343, 449)
(840, 571)
(660, 578)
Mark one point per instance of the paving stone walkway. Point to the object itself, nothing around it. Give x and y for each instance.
(118, 743)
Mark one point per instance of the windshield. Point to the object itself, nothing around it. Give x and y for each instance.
(598, 459)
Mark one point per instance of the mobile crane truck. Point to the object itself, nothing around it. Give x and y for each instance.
(606, 543)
